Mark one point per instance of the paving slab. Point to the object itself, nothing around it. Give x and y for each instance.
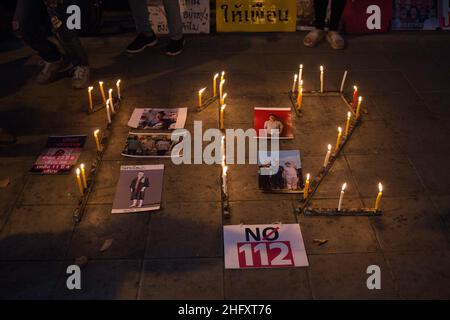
(261, 212)
(128, 233)
(100, 280)
(267, 284)
(430, 168)
(421, 275)
(344, 276)
(182, 279)
(410, 224)
(37, 233)
(181, 230)
(28, 280)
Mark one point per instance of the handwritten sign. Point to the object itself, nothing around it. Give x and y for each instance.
(194, 16)
(264, 246)
(256, 15)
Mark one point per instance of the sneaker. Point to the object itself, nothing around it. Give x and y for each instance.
(80, 77)
(313, 38)
(175, 47)
(52, 71)
(141, 42)
(335, 40)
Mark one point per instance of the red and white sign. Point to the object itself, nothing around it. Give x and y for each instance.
(264, 246)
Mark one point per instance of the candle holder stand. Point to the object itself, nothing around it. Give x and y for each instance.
(95, 167)
(333, 212)
(206, 103)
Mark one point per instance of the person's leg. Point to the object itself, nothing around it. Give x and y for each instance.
(146, 37)
(320, 12)
(141, 16)
(173, 19)
(173, 14)
(28, 26)
(337, 8)
(333, 37)
(316, 35)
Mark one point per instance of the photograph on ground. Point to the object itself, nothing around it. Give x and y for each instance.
(269, 121)
(150, 145)
(158, 119)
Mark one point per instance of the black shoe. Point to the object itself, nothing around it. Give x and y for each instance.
(141, 42)
(175, 47)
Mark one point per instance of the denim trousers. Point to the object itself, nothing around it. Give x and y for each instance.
(140, 13)
(35, 20)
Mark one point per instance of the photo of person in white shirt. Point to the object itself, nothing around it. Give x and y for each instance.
(273, 124)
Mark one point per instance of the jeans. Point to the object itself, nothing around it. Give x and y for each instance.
(320, 9)
(140, 12)
(33, 22)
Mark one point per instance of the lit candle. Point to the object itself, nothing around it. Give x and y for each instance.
(90, 98)
(215, 84)
(338, 140)
(200, 92)
(295, 82)
(222, 76)
(97, 140)
(108, 112)
(321, 79)
(300, 98)
(222, 150)
(300, 73)
(222, 82)
(301, 84)
(111, 100)
(222, 111)
(222, 101)
(327, 156)
(380, 193)
(341, 197)
(83, 175)
(347, 125)
(80, 186)
(118, 89)
(355, 96)
(102, 91)
(358, 108)
(343, 81)
(306, 189)
(224, 179)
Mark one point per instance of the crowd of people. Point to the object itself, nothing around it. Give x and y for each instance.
(35, 20)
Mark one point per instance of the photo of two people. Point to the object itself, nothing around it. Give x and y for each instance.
(287, 178)
(149, 145)
(158, 119)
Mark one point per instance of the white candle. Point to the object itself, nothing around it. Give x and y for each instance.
(224, 179)
(321, 79)
(300, 73)
(108, 113)
(222, 149)
(222, 82)
(343, 81)
(327, 156)
(118, 89)
(111, 101)
(341, 196)
(295, 81)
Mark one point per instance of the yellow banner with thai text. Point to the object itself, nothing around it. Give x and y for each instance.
(256, 15)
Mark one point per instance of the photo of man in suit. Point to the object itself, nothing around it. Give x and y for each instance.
(137, 188)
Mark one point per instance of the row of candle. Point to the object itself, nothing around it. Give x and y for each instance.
(224, 167)
(341, 197)
(222, 95)
(103, 95)
(298, 82)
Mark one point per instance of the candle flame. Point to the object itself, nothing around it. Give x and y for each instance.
(295, 77)
(110, 91)
(301, 66)
(223, 107)
(222, 82)
(78, 171)
(344, 186)
(360, 99)
(355, 88)
(216, 76)
(200, 92)
(321, 68)
(100, 83)
(329, 147)
(118, 82)
(223, 73)
(90, 88)
(380, 187)
(82, 166)
(96, 132)
(307, 177)
(349, 114)
(339, 129)
(224, 96)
